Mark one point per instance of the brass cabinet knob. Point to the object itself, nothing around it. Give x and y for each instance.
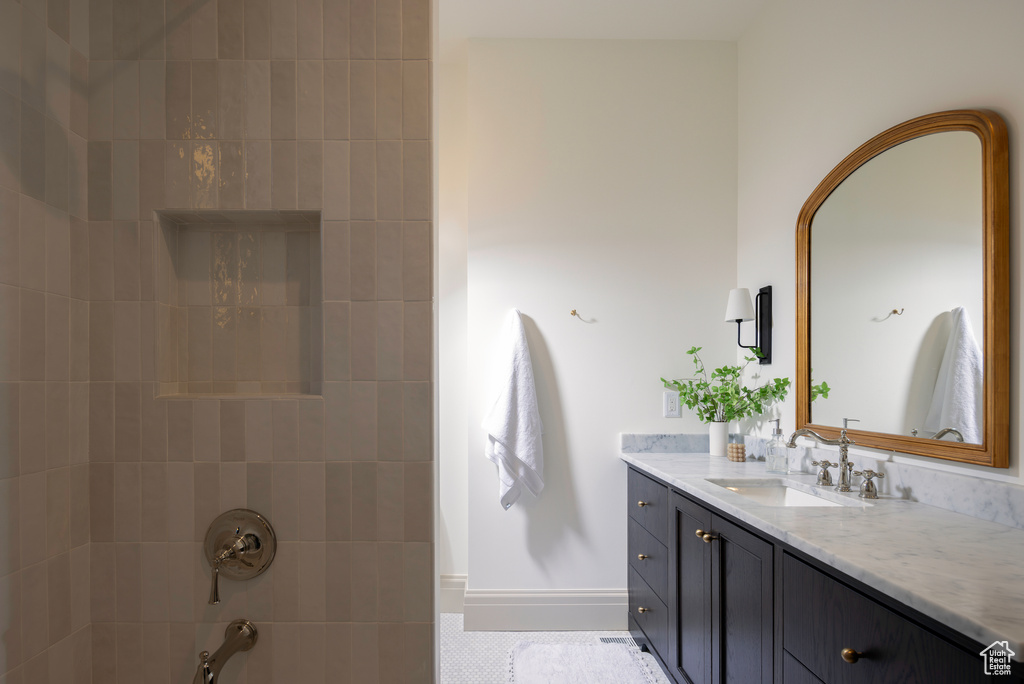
(642, 556)
(850, 656)
(706, 536)
(641, 609)
(641, 504)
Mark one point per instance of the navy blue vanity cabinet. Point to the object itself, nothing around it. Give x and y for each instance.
(647, 545)
(840, 636)
(690, 652)
(702, 605)
(722, 609)
(719, 603)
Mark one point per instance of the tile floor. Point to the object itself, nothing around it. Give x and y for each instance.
(482, 657)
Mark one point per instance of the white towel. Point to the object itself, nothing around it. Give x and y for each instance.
(513, 424)
(956, 402)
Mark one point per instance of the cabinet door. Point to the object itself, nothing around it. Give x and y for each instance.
(690, 581)
(822, 616)
(743, 609)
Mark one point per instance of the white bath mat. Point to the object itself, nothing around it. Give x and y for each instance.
(537, 663)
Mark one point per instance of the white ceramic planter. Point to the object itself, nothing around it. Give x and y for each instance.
(719, 437)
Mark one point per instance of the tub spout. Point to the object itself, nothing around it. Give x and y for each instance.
(239, 636)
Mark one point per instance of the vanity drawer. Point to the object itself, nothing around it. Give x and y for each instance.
(653, 619)
(795, 673)
(647, 503)
(654, 567)
(822, 616)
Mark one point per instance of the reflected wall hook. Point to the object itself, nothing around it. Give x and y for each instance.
(894, 312)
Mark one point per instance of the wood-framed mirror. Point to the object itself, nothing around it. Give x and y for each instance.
(903, 293)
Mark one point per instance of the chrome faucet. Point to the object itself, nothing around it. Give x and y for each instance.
(845, 467)
(942, 433)
(949, 431)
(239, 636)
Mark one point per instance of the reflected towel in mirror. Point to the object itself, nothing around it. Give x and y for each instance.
(957, 399)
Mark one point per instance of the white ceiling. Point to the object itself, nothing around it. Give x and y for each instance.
(647, 19)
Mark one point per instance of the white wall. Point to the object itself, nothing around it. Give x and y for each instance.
(453, 208)
(816, 79)
(601, 179)
(606, 171)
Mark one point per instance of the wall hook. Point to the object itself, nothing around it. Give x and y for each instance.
(576, 314)
(894, 312)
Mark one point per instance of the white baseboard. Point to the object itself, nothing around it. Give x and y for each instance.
(540, 610)
(453, 593)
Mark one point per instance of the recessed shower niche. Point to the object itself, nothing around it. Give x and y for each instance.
(238, 303)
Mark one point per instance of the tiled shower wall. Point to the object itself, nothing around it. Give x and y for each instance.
(264, 104)
(44, 353)
(351, 489)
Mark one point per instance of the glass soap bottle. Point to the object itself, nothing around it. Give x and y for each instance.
(776, 454)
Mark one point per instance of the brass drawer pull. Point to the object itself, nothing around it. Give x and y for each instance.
(641, 504)
(706, 536)
(642, 556)
(641, 609)
(850, 656)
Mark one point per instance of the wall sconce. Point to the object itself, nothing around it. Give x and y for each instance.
(740, 309)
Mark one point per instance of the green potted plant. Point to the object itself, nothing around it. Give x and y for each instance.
(722, 398)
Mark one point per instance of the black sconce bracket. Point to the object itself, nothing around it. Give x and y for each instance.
(763, 325)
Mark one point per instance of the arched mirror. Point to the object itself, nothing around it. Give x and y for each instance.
(903, 291)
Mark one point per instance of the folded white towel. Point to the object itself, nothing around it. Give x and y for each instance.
(513, 424)
(956, 402)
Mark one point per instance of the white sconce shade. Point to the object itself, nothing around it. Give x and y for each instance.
(740, 308)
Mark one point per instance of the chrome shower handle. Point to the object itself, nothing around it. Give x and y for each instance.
(214, 589)
(240, 544)
(243, 544)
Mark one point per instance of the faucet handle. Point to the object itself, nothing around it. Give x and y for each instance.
(236, 551)
(867, 474)
(824, 477)
(867, 487)
(240, 544)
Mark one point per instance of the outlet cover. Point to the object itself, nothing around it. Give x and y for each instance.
(670, 405)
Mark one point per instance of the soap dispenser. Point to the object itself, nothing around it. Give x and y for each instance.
(776, 455)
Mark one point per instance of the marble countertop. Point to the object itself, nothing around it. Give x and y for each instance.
(964, 572)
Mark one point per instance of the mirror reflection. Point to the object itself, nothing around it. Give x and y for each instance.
(897, 274)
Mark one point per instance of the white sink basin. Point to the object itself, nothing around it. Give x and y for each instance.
(779, 492)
